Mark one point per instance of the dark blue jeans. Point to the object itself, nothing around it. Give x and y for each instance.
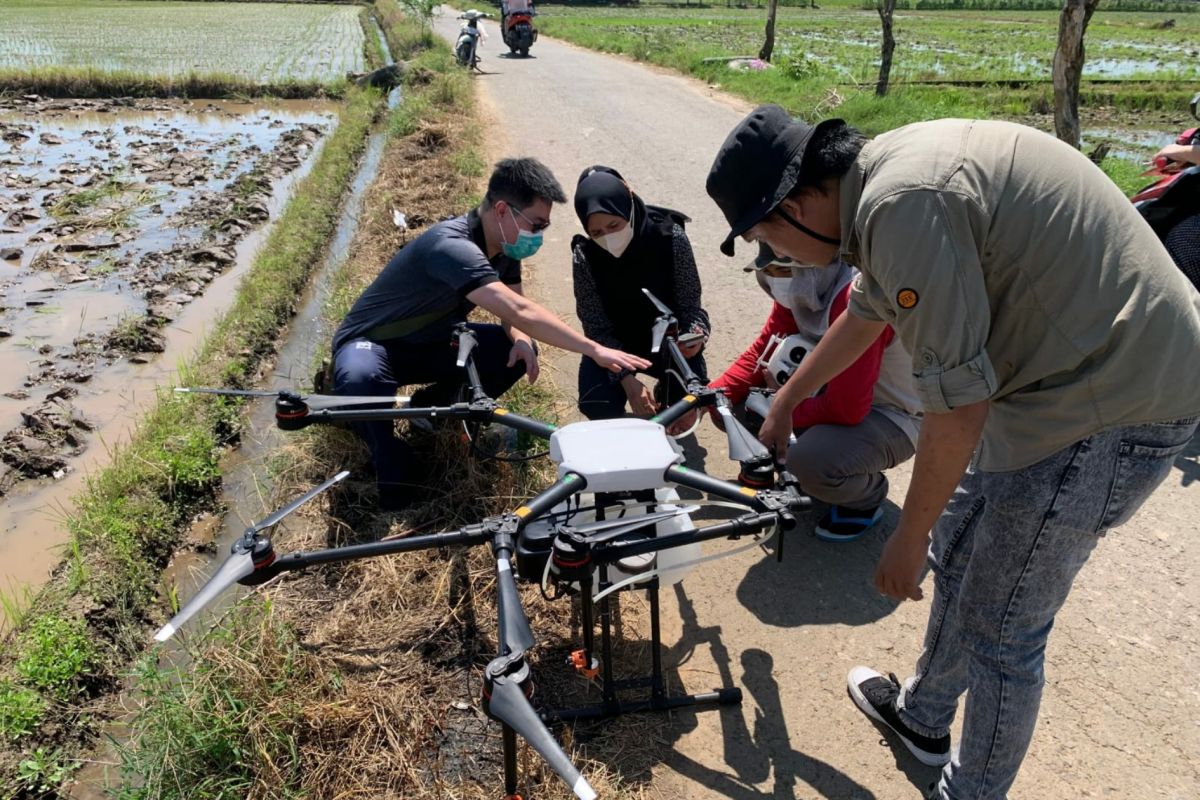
(363, 367)
(601, 395)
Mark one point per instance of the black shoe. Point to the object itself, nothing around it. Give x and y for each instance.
(876, 696)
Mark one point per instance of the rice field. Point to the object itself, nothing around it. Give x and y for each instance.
(261, 42)
(930, 45)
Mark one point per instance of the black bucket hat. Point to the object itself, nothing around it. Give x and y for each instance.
(757, 167)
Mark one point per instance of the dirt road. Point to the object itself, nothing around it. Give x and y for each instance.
(1121, 714)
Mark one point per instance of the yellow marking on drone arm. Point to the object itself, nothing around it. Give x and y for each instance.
(748, 491)
(500, 412)
(691, 398)
(523, 512)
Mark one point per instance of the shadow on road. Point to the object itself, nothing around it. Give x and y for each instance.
(818, 582)
(751, 757)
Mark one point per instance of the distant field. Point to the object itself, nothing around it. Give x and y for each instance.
(930, 45)
(263, 42)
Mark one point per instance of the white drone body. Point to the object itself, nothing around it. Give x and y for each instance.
(624, 455)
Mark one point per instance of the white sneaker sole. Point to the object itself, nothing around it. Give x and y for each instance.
(860, 700)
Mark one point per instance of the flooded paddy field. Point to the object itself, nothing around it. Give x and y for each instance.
(124, 226)
(263, 42)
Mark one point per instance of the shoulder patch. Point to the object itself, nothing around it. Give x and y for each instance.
(907, 298)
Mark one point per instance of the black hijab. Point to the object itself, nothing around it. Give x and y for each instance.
(648, 261)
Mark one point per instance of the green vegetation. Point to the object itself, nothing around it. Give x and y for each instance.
(947, 64)
(260, 43)
(127, 522)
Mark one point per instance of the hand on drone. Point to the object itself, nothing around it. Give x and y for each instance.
(776, 431)
(617, 360)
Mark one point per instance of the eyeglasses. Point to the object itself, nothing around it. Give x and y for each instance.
(534, 227)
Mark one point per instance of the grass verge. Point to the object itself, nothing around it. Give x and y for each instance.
(362, 680)
(52, 687)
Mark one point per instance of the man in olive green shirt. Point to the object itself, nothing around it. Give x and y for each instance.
(1048, 327)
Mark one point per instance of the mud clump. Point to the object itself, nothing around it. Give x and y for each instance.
(50, 434)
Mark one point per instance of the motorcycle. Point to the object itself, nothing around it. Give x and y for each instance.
(466, 49)
(517, 28)
(1174, 196)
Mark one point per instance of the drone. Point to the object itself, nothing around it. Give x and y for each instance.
(612, 521)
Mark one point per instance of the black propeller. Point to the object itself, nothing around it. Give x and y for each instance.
(504, 699)
(742, 444)
(246, 554)
(515, 634)
(315, 402)
(662, 325)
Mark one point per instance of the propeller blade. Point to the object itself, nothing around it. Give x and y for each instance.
(627, 524)
(509, 704)
(515, 634)
(742, 444)
(662, 308)
(236, 567)
(225, 392)
(319, 402)
(759, 403)
(466, 343)
(278, 516)
(315, 402)
(661, 326)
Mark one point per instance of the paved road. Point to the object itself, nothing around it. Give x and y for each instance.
(1121, 716)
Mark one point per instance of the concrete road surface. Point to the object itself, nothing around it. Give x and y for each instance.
(1121, 713)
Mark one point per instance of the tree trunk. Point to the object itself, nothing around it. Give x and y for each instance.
(886, 11)
(769, 44)
(1068, 67)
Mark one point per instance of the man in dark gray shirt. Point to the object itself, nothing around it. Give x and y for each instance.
(398, 332)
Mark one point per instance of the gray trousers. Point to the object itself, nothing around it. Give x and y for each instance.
(843, 464)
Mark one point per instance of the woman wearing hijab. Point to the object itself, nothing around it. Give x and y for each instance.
(861, 423)
(630, 246)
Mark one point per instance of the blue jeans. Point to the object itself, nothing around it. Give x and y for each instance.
(364, 367)
(1004, 555)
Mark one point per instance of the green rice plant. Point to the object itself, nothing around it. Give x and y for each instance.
(258, 42)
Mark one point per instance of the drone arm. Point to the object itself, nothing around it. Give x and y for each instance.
(692, 479)
(471, 535)
(548, 498)
(675, 412)
(502, 416)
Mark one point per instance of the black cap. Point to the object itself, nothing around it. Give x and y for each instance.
(757, 167)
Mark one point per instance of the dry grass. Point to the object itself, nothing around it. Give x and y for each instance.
(377, 695)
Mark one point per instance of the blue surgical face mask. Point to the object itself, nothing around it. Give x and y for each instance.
(526, 244)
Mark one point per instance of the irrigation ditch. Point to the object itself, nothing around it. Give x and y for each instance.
(68, 645)
(351, 681)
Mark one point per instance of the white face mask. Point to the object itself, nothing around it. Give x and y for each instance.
(780, 289)
(617, 242)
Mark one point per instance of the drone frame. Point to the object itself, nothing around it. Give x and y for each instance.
(577, 554)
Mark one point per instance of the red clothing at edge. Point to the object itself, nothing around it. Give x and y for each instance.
(846, 399)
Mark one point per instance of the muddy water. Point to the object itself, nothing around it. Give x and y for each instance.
(245, 475)
(116, 396)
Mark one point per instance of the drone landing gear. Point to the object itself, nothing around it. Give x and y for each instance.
(611, 705)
